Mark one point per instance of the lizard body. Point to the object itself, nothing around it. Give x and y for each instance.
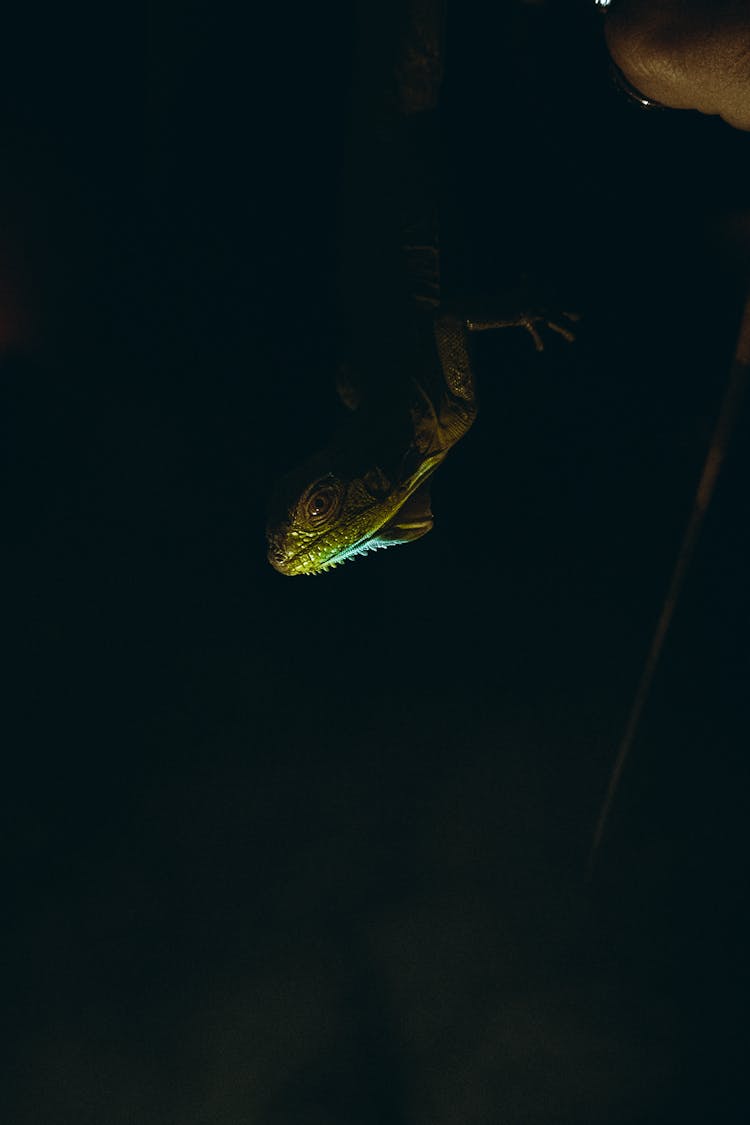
(407, 373)
(368, 488)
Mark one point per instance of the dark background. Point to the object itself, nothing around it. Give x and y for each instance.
(286, 852)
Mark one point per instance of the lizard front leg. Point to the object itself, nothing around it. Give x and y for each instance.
(529, 321)
(517, 308)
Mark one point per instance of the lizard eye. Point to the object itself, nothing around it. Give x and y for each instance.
(322, 503)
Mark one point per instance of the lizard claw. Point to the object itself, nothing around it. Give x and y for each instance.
(530, 324)
(561, 329)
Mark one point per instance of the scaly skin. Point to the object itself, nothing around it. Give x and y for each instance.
(413, 388)
(367, 489)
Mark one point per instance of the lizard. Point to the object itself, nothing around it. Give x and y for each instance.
(409, 384)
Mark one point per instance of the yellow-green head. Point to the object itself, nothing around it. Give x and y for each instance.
(366, 491)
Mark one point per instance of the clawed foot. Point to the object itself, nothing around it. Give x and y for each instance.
(532, 322)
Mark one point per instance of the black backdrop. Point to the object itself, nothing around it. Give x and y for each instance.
(283, 851)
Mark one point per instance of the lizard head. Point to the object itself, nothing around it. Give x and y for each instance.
(365, 491)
